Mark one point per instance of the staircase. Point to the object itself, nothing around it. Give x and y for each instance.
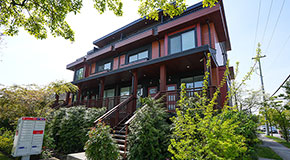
(119, 134)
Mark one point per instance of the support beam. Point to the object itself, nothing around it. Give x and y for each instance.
(134, 88)
(163, 78)
(79, 96)
(101, 92)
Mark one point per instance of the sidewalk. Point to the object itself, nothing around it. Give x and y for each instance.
(281, 150)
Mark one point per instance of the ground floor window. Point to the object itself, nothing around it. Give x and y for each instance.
(109, 93)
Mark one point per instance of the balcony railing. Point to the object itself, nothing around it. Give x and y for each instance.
(171, 97)
(108, 102)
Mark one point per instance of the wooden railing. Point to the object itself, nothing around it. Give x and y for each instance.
(171, 97)
(108, 102)
(127, 123)
(118, 113)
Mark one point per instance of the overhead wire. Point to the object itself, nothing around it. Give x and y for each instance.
(281, 9)
(257, 26)
(268, 17)
(281, 85)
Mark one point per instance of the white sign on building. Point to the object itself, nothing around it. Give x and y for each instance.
(28, 137)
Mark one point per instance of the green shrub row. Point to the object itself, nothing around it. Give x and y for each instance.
(6, 140)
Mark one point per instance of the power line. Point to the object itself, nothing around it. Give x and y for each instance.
(267, 21)
(275, 25)
(281, 85)
(257, 26)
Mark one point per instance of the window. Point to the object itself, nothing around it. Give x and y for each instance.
(104, 67)
(138, 56)
(193, 82)
(79, 74)
(125, 91)
(182, 42)
(109, 93)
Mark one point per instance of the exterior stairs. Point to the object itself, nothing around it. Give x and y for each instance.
(120, 136)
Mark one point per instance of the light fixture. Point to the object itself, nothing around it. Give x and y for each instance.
(187, 66)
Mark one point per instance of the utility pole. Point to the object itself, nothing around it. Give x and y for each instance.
(257, 58)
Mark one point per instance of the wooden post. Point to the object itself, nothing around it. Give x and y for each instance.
(135, 88)
(79, 96)
(163, 78)
(101, 92)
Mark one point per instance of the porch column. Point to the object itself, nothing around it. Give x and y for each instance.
(79, 95)
(163, 78)
(134, 89)
(101, 92)
(208, 70)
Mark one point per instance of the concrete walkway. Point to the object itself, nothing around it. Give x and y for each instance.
(281, 150)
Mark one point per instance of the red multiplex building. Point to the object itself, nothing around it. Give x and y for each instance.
(152, 58)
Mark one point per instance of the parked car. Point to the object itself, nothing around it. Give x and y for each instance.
(274, 130)
(262, 128)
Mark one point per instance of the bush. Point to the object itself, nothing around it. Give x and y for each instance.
(200, 132)
(68, 127)
(149, 132)
(6, 140)
(100, 144)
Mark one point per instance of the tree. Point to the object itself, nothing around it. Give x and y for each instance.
(100, 144)
(149, 132)
(61, 87)
(17, 101)
(37, 17)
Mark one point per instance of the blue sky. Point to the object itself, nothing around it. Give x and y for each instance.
(26, 60)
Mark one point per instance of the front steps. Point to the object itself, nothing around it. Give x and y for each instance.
(119, 135)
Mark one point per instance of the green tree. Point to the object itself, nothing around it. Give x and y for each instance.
(18, 101)
(37, 17)
(201, 132)
(149, 132)
(61, 87)
(100, 144)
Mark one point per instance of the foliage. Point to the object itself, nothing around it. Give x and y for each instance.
(18, 101)
(37, 17)
(266, 152)
(100, 144)
(61, 87)
(149, 132)
(200, 132)
(6, 140)
(68, 127)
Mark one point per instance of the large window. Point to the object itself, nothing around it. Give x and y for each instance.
(182, 42)
(193, 82)
(138, 56)
(104, 67)
(79, 74)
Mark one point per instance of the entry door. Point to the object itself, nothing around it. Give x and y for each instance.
(171, 97)
(152, 91)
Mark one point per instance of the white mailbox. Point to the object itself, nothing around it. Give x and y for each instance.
(28, 137)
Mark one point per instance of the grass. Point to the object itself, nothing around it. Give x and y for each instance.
(260, 132)
(281, 141)
(4, 157)
(266, 152)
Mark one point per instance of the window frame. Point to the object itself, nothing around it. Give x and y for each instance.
(180, 34)
(103, 64)
(137, 54)
(147, 47)
(76, 74)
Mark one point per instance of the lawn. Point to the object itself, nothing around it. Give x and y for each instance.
(281, 141)
(266, 152)
(4, 157)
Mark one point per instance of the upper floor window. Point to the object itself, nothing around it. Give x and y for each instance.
(79, 74)
(104, 67)
(138, 56)
(182, 42)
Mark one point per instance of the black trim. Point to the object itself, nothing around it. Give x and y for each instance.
(179, 34)
(203, 48)
(209, 34)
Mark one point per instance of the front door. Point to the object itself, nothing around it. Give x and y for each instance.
(171, 97)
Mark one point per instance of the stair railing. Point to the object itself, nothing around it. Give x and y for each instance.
(124, 108)
(127, 123)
